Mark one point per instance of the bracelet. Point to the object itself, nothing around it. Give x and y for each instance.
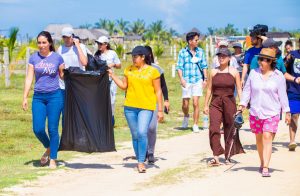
(160, 111)
(295, 79)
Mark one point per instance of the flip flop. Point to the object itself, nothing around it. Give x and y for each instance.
(141, 168)
(292, 146)
(213, 163)
(265, 174)
(44, 159)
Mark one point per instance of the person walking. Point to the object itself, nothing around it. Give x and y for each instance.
(192, 72)
(293, 91)
(153, 124)
(143, 92)
(222, 108)
(47, 102)
(105, 53)
(265, 83)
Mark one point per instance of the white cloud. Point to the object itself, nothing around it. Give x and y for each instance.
(172, 9)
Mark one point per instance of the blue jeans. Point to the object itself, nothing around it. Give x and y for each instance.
(152, 133)
(47, 105)
(138, 121)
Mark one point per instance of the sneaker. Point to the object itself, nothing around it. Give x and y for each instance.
(196, 129)
(151, 159)
(185, 122)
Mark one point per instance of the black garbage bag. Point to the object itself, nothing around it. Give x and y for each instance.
(94, 63)
(88, 118)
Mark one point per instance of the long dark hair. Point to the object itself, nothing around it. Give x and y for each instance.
(149, 58)
(49, 38)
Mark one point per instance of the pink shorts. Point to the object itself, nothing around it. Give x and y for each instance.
(264, 125)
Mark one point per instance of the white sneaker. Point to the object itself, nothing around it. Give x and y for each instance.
(185, 122)
(196, 129)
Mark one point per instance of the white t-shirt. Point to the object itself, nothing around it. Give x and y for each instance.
(71, 58)
(233, 62)
(110, 57)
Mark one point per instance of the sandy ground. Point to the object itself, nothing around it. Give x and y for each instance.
(180, 169)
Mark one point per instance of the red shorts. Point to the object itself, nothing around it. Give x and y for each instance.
(264, 125)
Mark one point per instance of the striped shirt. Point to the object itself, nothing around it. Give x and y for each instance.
(190, 70)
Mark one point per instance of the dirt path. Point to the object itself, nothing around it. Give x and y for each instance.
(180, 170)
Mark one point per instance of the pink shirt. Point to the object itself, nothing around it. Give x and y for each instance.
(267, 97)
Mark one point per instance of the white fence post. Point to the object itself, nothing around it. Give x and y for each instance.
(173, 71)
(27, 59)
(5, 66)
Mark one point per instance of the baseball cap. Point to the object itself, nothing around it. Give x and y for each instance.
(271, 42)
(223, 43)
(102, 39)
(224, 51)
(67, 31)
(237, 45)
(139, 50)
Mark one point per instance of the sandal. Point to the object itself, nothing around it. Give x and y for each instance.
(213, 163)
(44, 159)
(265, 173)
(292, 146)
(141, 168)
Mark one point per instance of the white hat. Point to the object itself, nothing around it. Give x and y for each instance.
(67, 31)
(102, 39)
(223, 43)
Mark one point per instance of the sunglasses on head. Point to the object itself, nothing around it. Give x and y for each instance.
(264, 59)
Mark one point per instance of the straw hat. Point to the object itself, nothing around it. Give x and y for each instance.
(268, 53)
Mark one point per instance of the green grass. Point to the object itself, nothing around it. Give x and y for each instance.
(20, 150)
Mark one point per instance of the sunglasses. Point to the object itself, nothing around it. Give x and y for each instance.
(264, 59)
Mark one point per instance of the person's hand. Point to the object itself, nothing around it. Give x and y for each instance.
(206, 110)
(204, 84)
(110, 72)
(297, 80)
(160, 116)
(111, 65)
(183, 83)
(241, 108)
(288, 118)
(25, 104)
(167, 105)
(243, 83)
(76, 42)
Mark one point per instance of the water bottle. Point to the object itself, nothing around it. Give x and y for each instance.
(205, 122)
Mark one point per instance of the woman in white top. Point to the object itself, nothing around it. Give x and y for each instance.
(105, 53)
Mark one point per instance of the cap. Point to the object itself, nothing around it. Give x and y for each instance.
(102, 39)
(224, 51)
(271, 42)
(67, 31)
(223, 43)
(237, 45)
(139, 50)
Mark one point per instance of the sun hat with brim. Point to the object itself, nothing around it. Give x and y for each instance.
(271, 42)
(224, 51)
(267, 53)
(102, 39)
(138, 50)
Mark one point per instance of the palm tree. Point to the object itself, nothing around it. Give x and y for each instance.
(123, 25)
(102, 24)
(11, 41)
(156, 27)
(138, 27)
(85, 26)
(111, 27)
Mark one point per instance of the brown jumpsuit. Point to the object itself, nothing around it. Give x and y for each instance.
(222, 109)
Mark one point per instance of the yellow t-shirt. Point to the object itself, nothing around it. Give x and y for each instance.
(140, 92)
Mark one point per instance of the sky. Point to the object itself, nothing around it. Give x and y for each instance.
(32, 16)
